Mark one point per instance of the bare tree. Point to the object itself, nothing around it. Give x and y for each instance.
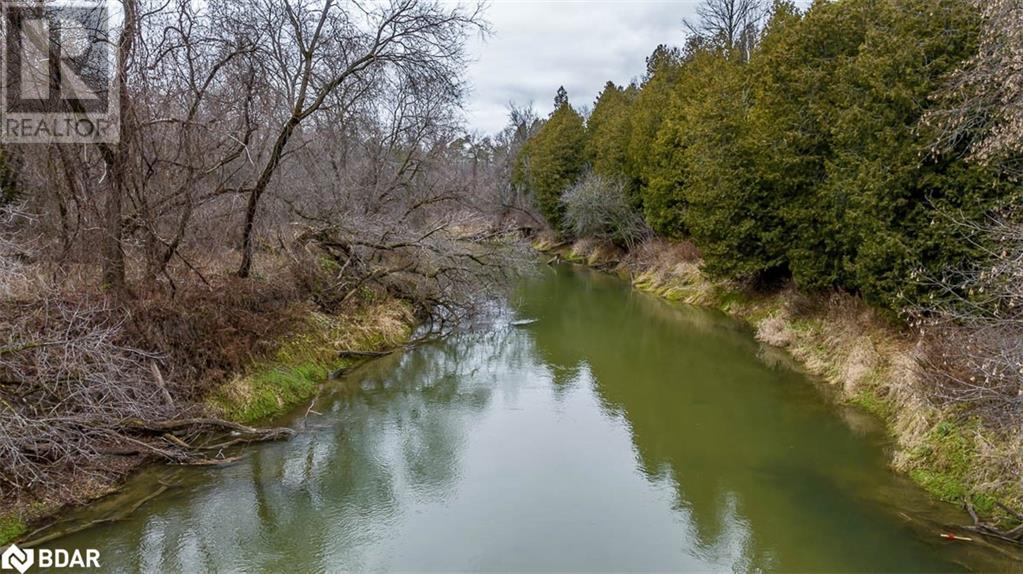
(116, 157)
(337, 123)
(729, 24)
(320, 50)
(516, 201)
(982, 107)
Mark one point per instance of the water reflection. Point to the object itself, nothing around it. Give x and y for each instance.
(616, 433)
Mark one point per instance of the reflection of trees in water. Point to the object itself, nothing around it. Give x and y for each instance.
(749, 448)
(746, 455)
(318, 501)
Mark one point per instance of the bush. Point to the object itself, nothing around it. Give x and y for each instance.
(972, 354)
(598, 207)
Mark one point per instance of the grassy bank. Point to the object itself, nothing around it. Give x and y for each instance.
(292, 374)
(872, 361)
(268, 387)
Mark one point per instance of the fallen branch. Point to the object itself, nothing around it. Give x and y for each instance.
(347, 354)
(1014, 536)
(192, 423)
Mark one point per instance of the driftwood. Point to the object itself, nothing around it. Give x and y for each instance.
(206, 422)
(523, 322)
(1014, 535)
(71, 392)
(215, 461)
(347, 354)
(158, 439)
(351, 354)
(158, 377)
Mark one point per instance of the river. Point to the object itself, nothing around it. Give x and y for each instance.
(617, 432)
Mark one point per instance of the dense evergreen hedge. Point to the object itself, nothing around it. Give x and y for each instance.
(808, 158)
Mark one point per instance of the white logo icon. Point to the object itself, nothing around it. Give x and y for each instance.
(17, 559)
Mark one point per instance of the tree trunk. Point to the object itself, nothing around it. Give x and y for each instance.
(117, 161)
(257, 192)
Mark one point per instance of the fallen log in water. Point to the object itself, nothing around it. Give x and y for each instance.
(1013, 535)
(363, 354)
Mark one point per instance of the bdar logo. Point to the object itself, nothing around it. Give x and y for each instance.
(15, 558)
(21, 559)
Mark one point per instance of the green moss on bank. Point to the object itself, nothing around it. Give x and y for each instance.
(11, 527)
(946, 459)
(271, 391)
(273, 386)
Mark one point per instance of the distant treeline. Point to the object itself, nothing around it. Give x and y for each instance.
(821, 145)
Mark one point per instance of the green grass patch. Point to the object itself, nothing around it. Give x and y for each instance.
(11, 527)
(805, 326)
(675, 293)
(572, 257)
(868, 399)
(270, 392)
(756, 313)
(273, 386)
(643, 282)
(944, 463)
(729, 300)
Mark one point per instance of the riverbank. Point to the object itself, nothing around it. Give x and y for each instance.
(563, 444)
(871, 361)
(323, 348)
(277, 380)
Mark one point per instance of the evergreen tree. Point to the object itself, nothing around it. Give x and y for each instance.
(553, 158)
(810, 156)
(607, 131)
(890, 199)
(647, 113)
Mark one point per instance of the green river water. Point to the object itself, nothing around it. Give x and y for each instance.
(618, 432)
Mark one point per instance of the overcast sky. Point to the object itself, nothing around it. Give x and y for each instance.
(538, 45)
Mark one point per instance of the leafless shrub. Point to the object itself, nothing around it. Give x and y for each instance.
(661, 254)
(982, 106)
(207, 333)
(973, 329)
(74, 392)
(65, 383)
(598, 207)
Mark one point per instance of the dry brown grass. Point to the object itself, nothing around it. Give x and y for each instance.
(877, 365)
(596, 252)
(670, 270)
(663, 254)
(206, 333)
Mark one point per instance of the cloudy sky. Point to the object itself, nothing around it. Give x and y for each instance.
(538, 45)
